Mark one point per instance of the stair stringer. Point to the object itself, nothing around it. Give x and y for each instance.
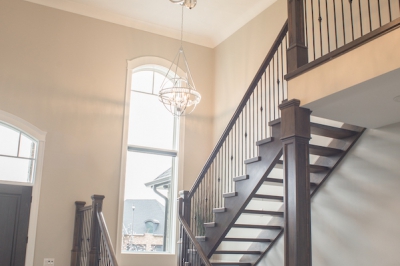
(317, 178)
(270, 153)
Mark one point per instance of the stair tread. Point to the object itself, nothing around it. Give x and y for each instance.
(263, 141)
(274, 213)
(238, 239)
(323, 151)
(240, 178)
(258, 226)
(252, 160)
(273, 180)
(212, 224)
(280, 180)
(219, 210)
(271, 197)
(222, 263)
(331, 132)
(313, 167)
(229, 194)
(249, 252)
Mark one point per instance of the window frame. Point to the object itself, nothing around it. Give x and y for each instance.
(132, 66)
(40, 136)
(32, 160)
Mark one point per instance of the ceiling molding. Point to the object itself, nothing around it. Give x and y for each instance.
(108, 16)
(231, 21)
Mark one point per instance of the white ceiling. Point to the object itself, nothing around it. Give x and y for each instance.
(208, 24)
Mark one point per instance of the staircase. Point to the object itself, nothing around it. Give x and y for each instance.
(246, 195)
(250, 220)
(257, 203)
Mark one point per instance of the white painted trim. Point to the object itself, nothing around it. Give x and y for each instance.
(23, 125)
(131, 65)
(211, 39)
(150, 150)
(40, 136)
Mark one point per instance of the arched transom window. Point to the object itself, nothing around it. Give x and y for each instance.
(18, 153)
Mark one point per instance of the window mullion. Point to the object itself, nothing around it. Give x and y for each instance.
(156, 151)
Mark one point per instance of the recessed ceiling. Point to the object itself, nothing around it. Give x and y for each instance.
(208, 24)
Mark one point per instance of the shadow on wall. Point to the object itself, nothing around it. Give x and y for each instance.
(355, 213)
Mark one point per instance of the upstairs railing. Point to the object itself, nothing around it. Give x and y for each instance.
(91, 242)
(330, 24)
(248, 125)
(320, 30)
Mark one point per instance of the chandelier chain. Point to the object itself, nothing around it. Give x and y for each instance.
(182, 28)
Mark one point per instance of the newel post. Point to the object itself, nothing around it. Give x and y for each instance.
(186, 205)
(185, 211)
(295, 136)
(76, 250)
(297, 52)
(97, 205)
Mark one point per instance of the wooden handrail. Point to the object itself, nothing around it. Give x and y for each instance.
(242, 104)
(104, 231)
(186, 227)
(90, 226)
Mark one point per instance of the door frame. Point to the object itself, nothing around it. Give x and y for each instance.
(40, 136)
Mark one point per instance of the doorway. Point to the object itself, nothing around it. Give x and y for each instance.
(15, 205)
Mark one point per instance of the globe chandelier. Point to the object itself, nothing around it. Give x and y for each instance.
(178, 94)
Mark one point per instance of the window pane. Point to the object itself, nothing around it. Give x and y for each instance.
(27, 147)
(142, 81)
(15, 169)
(9, 139)
(150, 124)
(158, 80)
(144, 222)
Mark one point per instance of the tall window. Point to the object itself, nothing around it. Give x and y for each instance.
(151, 166)
(17, 155)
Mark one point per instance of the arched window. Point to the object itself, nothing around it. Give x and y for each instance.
(18, 153)
(151, 163)
(21, 160)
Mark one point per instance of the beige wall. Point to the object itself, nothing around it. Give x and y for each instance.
(238, 58)
(66, 74)
(355, 213)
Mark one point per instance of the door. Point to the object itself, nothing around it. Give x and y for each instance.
(15, 205)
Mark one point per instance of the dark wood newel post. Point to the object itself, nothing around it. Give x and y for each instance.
(295, 132)
(97, 205)
(186, 205)
(186, 214)
(77, 233)
(297, 53)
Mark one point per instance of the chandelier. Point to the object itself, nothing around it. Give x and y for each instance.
(187, 3)
(178, 94)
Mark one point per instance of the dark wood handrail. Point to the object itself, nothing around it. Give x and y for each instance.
(104, 231)
(186, 227)
(242, 104)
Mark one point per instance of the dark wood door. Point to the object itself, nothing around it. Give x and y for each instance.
(15, 205)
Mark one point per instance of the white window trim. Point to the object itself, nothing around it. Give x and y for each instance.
(39, 136)
(131, 66)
